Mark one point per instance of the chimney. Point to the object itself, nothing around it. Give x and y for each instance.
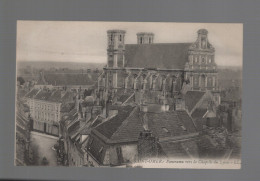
(145, 122)
(147, 145)
(144, 108)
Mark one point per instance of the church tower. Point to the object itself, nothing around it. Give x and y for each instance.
(145, 38)
(116, 48)
(115, 56)
(201, 69)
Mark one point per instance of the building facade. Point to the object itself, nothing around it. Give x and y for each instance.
(45, 108)
(161, 67)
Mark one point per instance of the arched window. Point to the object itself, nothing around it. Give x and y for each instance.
(203, 60)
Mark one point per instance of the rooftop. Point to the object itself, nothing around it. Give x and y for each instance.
(192, 98)
(126, 126)
(159, 55)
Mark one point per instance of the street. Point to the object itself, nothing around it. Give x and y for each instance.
(43, 145)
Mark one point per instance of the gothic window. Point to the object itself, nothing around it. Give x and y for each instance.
(195, 80)
(141, 40)
(209, 81)
(111, 38)
(196, 59)
(203, 60)
(203, 43)
(191, 58)
(120, 37)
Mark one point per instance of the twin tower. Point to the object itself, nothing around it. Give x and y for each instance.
(116, 46)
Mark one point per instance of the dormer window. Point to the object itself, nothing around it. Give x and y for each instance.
(165, 130)
(183, 128)
(196, 60)
(203, 60)
(101, 149)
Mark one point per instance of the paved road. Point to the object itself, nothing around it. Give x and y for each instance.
(44, 143)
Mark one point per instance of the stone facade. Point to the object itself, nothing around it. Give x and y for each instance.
(199, 69)
(45, 115)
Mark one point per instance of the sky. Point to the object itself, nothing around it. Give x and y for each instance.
(79, 41)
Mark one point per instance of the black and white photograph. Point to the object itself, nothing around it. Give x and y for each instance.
(128, 94)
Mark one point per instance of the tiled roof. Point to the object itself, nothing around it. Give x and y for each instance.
(126, 126)
(98, 120)
(160, 55)
(122, 95)
(67, 107)
(97, 148)
(192, 98)
(51, 95)
(109, 127)
(43, 95)
(32, 93)
(198, 119)
(68, 96)
(198, 113)
(176, 122)
(74, 128)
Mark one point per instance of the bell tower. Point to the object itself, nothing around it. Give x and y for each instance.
(115, 48)
(203, 38)
(115, 57)
(145, 38)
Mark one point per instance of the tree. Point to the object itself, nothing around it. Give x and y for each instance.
(21, 80)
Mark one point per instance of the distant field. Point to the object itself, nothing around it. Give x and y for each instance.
(58, 65)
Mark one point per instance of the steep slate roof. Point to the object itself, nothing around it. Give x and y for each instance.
(192, 98)
(160, 55)
(126, 127)
(123, 95)
(109, 127)
(198, 119)
(97, 148)
(198, 113)
(32, 93)
(172, 121)
(50, 95)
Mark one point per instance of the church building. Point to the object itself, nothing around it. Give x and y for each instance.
(159, 68)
